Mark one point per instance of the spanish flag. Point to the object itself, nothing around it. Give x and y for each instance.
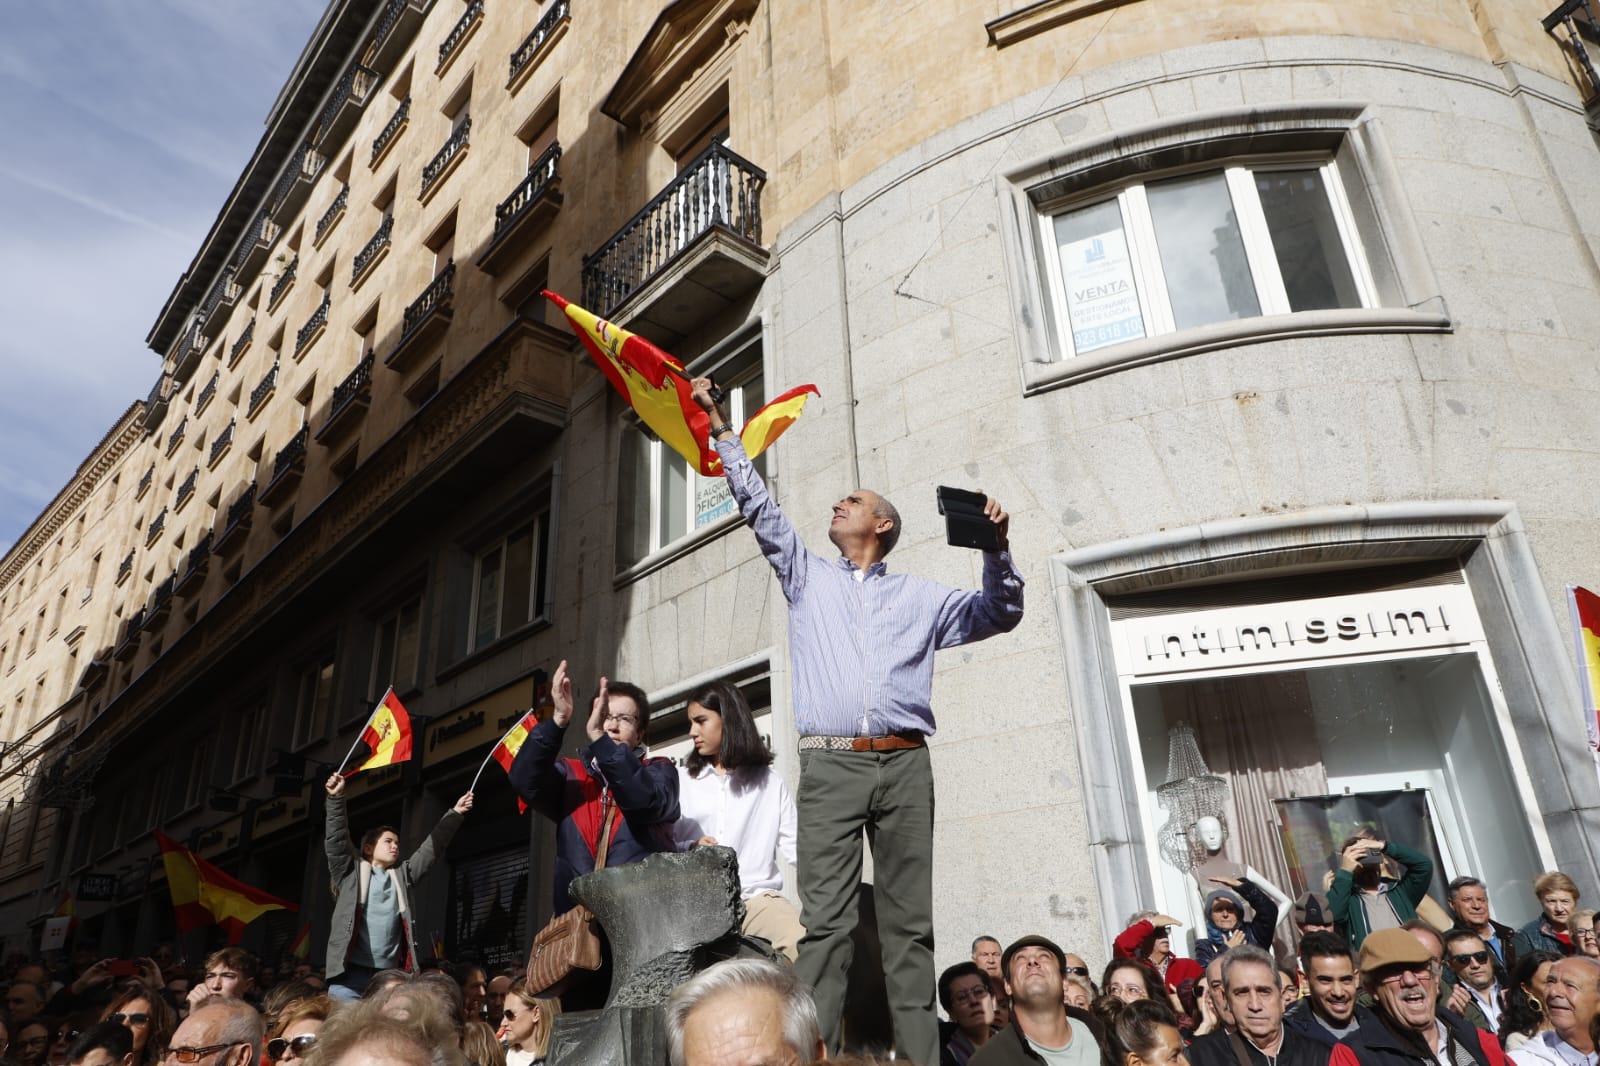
(301, 948)
(505, 752)
(656, 386)
(67, 908)
(387, 735)
(203, 895)
(1586, 637)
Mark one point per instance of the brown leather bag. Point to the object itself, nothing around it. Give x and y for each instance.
(570, 944)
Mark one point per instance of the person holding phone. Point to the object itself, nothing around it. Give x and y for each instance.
(1362, 901)
(862, 642)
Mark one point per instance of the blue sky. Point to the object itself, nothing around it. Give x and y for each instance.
(123, 125)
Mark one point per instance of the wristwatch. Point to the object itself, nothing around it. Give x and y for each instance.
(717, 431)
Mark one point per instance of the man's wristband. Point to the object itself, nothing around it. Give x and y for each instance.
(717, 431)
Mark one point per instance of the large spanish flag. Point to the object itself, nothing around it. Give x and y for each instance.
(203, 895)
(656, 386)
(387, 735)
(1586, 636)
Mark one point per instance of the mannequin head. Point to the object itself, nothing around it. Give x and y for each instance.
(1210, 833)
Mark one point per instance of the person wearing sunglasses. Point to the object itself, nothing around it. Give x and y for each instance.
(221, 1032)
(525, 1026)
(294, 1033)
(62, 1035)
(102, 1044)
(149, 1018)
(1472, 963)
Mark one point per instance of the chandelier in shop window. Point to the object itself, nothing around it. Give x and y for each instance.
(1191, 792)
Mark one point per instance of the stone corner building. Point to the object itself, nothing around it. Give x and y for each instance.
(1273, 326)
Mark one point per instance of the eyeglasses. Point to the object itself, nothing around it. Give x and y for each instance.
(1479, 957)
(622, 719)
(1583, 930)
(195, 1054)
(67, 1035)
(129, 1019)
(299, 1044)
(1075, 971)
(1395, 971)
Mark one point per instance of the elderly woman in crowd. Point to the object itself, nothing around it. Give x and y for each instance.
(295, 1029)
(1551, 931)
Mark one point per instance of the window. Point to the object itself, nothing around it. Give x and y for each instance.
(241, 737)
(508, 583)
(197, 786)
(670, 499)
(397, 642)
(94, 575)
(1186, 251)
(313, 695)
(61, 607)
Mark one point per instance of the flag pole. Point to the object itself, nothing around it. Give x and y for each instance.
(474, 786)
(363, 732)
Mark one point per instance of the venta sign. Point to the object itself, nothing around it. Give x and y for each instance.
(1306, 629)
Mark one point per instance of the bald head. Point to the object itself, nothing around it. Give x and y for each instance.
(223, 1021)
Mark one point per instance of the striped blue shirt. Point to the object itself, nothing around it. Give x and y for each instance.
(862, 647)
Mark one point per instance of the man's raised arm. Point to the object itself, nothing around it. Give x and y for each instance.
(774, 532)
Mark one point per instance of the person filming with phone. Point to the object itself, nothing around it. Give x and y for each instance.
(1362, 901)
(862, 642)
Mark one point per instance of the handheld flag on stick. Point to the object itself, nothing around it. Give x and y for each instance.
(301, 948)
(203, 895)
(505, 752)
(387, 736)
(1586, 636)
(656, 386)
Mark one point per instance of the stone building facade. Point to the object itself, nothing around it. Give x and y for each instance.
(1270, 325)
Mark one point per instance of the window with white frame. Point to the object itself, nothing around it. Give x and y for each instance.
(662, 499)
(508, 583)
(397, 641)
(313, 696)
(1266, 237)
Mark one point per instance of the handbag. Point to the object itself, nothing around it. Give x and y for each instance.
(570, 944)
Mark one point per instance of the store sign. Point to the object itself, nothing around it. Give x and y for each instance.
(478, 726)
(96, 888)
(1403, 619)
(712, 500)
(1102, 301)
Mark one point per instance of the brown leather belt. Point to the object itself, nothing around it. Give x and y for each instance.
(892, 742)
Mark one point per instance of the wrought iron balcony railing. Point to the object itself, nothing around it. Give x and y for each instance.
(224, 291)
(259, 394)
(720, 189)
(207, 393)
(157, 524)
(391, 130)
(334, 212)
(305, 166)
(242, 343)
(223, 441)
(558, 13)
(318, 319)
(290, 454)
(528, 189)
(436, 296)
(379, 241)
(441, 161)
(125, 568)
(285, 279)
(345, 393)
(175, 438)
(1579, 21)
(186, 489)
(239, 510)
(469, 18)
(144, 482)
(355, 85)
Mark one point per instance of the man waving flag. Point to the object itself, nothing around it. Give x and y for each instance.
(657, 388)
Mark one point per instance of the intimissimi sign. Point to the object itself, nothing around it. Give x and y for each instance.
(1323, 628)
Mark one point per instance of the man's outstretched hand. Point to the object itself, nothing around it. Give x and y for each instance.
(700, 389)
(1001, 520)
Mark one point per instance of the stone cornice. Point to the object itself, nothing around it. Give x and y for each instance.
(683, 38)
(118, 439)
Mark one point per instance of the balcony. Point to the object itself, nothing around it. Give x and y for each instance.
(690, 253)
(157, 525)
(145, 482)
(129, 644)
(330, 218)
(288, 466)
(397, 26)
(175, 438)
(391, 132)
(161, 603)
(350, 400)
(253, 251)
(240, 514)
(156, 404)
(125, 569)
(1579, 38)
(426, 318)
(241, 345)
(285, 282)
(219, 303)
(551, 28)
(372, 253)
(186, 490)
(263, 391)
(220, 446)
(344, 107)
(315, 326)
(186, 358)
(194, 570)
(532, 204)
(445, 161)
(459, 35)
(207, 394)
(294, 185)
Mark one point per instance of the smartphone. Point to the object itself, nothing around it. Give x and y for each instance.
(965, 524)
(122, 968)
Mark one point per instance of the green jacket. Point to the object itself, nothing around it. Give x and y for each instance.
(1350, 917)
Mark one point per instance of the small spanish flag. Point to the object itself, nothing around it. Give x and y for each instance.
(505, 752)
(301, 948)
(656, 386)
(67, 908)
(203, 895)
(1586, 638)
(387, 735)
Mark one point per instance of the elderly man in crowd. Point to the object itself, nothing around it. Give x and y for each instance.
(221, 1032)
(1469, 906)
(1571, 1001)
(741, 1012)
(1399, 973)
(1253, 989)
